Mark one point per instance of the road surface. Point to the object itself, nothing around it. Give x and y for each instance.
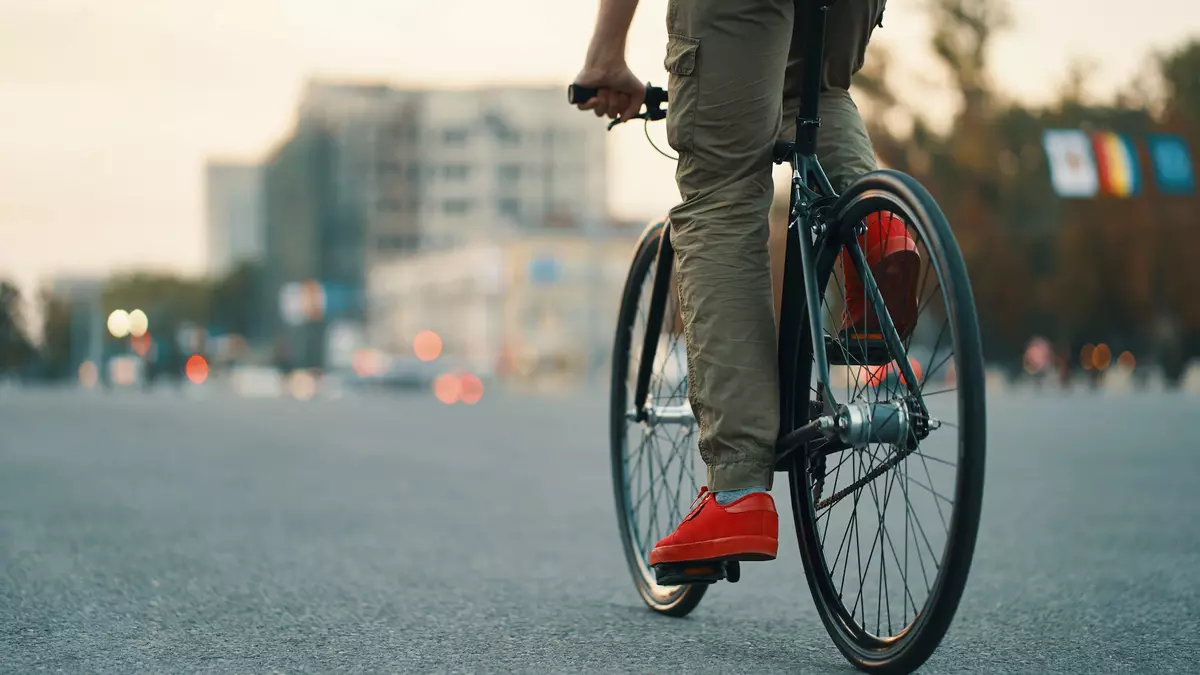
(391, 534)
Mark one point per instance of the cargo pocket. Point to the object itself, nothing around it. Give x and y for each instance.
(682, 84)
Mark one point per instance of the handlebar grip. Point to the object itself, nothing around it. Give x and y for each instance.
(577, 94)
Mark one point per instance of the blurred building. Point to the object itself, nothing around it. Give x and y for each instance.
(233, 201)
(374, 173)
(542, 303)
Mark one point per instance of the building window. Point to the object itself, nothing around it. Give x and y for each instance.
(510, 207)
(414, 173)
(507, 174)
(454, 137)
(456, 171)
(456, 207)
(391, 167)
(397, 242)
(391, 205)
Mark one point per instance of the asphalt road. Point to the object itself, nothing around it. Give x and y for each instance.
(159, 534)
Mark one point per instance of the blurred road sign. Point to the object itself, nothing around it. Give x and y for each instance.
(1173, 169)
(544, 270)
(1117, 164)
(1072, 166)
(302, 301)
(341, 299)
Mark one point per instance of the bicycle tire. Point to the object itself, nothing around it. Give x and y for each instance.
(676, 601)
(914, 643)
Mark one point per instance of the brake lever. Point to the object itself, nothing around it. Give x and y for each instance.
(620, 120)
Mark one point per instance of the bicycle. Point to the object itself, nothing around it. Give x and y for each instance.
(821, 438)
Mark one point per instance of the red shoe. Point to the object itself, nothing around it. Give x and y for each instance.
(745, 529)
(895, 263)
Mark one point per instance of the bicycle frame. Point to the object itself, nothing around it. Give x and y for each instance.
(800, 290)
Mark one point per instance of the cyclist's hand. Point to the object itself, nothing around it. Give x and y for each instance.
(620, 91)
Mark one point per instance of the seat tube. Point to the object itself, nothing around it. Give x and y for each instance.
(808, 120)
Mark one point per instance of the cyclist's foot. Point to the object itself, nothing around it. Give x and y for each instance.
(895, 263)
(744, 529)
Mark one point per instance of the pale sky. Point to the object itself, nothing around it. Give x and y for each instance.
(109, 108)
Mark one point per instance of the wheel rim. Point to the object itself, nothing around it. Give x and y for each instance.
(660, 469)
(882, 545)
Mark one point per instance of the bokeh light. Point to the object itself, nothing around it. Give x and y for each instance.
(1086, 354)
(367, 362)
(1038, 356)
(1101, 357)
(196, 369)
(471, 389)
(122, 371)
(139, 323)
(118, 323)
(1126, 360)
(448, 388)
(302, 385)
(140, 342)
(89, 375)
(427, 345)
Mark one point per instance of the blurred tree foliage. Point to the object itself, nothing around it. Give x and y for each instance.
(233, 300)
(222, 305)
(225, 304)
(1090, 270)
(16, 350)
(56, 336)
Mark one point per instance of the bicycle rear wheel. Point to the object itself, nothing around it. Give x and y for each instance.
(887, 531)
(656, 468)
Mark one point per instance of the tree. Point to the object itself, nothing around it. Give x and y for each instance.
(56, 336)
(962, 35)
(1178, 70)
(234, 299)
(16, 350)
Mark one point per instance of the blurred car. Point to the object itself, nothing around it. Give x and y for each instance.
(411, 373)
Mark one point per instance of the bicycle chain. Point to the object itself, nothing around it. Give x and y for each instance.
(870, 476)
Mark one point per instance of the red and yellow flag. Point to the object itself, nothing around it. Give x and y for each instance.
(1117, 164)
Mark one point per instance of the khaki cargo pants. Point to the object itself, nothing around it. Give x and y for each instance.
(730, 63)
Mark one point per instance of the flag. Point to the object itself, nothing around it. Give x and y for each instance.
(1173, 171)
(1117, 164)
(1072, 166)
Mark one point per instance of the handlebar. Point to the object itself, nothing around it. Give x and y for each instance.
(655, 97)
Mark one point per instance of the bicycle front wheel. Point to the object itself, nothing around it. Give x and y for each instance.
(887, 529)
(656, 467)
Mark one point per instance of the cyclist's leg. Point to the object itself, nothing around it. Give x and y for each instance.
(846, 153)
(726, 60)
(842, 142)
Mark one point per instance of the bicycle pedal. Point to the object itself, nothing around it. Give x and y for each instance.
(704, 572)
(857, 349)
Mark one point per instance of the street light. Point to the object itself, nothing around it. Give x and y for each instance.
(139, 323)
(118, 323)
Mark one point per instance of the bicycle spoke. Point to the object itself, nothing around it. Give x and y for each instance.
(936, 459)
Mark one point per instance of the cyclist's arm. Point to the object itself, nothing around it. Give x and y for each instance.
(612, 29)
(620, 92)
